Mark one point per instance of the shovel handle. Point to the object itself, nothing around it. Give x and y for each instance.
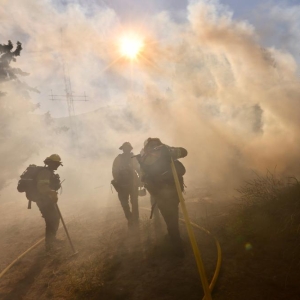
(66, 230)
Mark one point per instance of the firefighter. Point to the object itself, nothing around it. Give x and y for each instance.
(125, 171)
(157, 176)
(47, 185)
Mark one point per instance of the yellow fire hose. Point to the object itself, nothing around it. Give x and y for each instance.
(219, 254)
(186, 220)
(193, 240)
(199, 262)
(34, 246)
(20, 256)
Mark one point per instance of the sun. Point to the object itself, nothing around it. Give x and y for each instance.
(131, 46)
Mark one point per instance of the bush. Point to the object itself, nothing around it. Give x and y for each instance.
(275, 200)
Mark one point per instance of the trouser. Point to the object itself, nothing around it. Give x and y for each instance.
(167, 201)
(155, 208)
(124, 194)
(51, 216)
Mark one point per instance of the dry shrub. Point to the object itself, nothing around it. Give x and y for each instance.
(273, 198)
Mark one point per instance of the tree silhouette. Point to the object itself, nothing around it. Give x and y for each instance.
(8, 73)
(22, 132)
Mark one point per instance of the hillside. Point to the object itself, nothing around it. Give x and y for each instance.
(259, 240)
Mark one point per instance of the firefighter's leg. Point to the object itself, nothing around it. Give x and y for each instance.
(170, 214)
(168, 206)
(155, 209)
(124, 199)
(51, 216)
(134, 204)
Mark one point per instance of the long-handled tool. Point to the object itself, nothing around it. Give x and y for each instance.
(66, 230)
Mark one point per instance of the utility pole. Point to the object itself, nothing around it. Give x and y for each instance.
(69, 97)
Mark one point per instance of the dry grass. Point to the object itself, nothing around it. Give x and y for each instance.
(274, 199)
(268, 188)
(92, 277)
(114, 263)
(261, 241)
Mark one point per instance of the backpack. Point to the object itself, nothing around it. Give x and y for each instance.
(27, 182)
(168, 177)
(160, 172)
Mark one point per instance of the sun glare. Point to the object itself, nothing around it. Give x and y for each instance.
(131, 46)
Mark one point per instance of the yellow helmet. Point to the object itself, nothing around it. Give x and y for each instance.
(53, 158)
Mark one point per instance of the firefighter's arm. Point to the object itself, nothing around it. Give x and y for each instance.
(136, 165)
(178, 152)
(43, 185)
(138, 171)
(142, 178)
(116, 168)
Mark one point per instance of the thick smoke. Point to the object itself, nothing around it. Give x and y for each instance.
(208, 83)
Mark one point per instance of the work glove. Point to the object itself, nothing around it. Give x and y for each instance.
(53, 196)
(183, 152)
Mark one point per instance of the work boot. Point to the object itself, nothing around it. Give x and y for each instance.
(130, 223)
(58, 241)
(136, 222)
(49, 247)
(179, 252)
(177, 245)
(167, 237)
(54, 244)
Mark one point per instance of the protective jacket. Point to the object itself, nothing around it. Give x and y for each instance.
(156, 166)
(158, 178)
(47, 183)
(126, 170)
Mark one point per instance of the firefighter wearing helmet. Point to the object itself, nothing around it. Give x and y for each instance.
(155, 161)
(47, 185)
(125, 171)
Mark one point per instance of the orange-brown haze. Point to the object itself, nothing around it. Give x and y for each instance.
(206, 84)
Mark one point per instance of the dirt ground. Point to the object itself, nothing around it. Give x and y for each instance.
(116, 263)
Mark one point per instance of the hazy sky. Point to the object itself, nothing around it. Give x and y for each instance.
(221, 78)
(275, 28)
(276, 24)
(128, 9)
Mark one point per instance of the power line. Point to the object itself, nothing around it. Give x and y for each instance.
(68, 96)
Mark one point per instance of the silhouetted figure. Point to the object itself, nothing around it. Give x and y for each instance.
(48, 184)
(157, 176)
(125, 171)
